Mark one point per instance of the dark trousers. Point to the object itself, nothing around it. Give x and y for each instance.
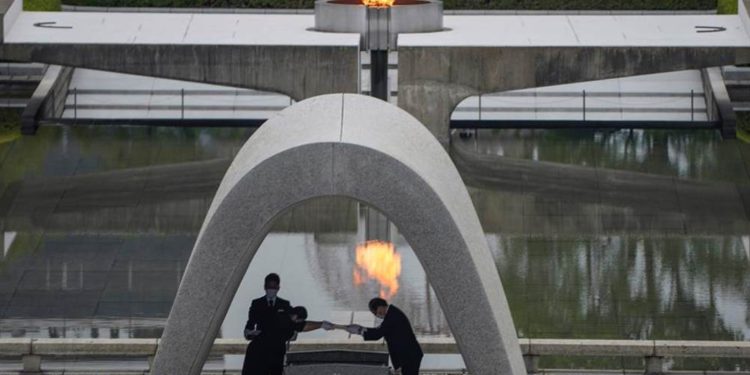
(411, 367)
(261, 362)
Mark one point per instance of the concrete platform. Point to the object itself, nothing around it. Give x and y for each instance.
(584, 31)
(461, 31)
(170, 28)
(239, 50)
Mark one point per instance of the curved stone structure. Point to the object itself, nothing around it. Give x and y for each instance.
(366, 149)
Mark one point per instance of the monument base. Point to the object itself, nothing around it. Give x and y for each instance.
(340, 362)
(336, 368)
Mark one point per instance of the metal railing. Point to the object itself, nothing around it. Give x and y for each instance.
(584, 109)
(581, 103)
(654, 352)
(180, 107)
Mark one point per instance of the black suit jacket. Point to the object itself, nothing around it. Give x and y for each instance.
(402, 344)
(266, 317)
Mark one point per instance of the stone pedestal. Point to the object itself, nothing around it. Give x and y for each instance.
(338, 369)
(340, 362)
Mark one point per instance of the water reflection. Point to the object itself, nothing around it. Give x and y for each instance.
(627, 287)
(630, 234)
(690, 154)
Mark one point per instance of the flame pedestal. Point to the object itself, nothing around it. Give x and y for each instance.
(341, 362)
(379, 27)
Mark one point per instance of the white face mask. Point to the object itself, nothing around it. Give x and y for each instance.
(271, 293)
(378, 321)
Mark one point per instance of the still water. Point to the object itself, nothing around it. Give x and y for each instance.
(612, 234)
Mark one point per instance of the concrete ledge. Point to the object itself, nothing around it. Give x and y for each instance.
(48, 100)
(743, 10)
(739, 349)
(15, 347)
(625, 348)
(12, 348)
(326, 69)
(712, 110)
(228, 346)
(9, 11)
(722, 101)
(94, 347)
(432, 81)
(525, 346)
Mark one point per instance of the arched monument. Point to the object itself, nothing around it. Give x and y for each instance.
(366, 149)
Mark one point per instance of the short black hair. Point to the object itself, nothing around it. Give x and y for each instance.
(272, 277)
(377, 302)
(300, 311)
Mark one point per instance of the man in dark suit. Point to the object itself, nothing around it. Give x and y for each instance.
(264, 355)
(271, 322)
(405, 352)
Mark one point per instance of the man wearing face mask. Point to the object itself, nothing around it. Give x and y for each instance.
(264, 355)
(405, 352)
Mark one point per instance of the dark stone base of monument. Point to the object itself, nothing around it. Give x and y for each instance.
(340, 362)
(336, 369)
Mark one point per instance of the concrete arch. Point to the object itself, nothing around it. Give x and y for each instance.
(365, 149)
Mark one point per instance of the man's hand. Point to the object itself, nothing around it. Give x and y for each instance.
(251, 334)
(354, 329)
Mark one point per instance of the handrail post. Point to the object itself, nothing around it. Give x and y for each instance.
(476, 131)
(584, 105)
(532, 363)
(75, 103)
(480, 107)
(692, 105)
(32, 364)
(654, 365)
(182, 104)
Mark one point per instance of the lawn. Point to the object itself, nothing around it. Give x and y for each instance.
(41, 5)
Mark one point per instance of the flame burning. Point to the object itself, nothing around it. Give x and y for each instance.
(378, 3)
(379, 261)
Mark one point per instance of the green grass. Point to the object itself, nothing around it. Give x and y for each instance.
(726, 6)
(41, 5)
(10, 124)
(743, 126)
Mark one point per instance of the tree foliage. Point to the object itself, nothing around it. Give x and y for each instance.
(449, 4)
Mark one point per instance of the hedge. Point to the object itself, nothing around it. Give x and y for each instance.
(41, 5)
(449, 4)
